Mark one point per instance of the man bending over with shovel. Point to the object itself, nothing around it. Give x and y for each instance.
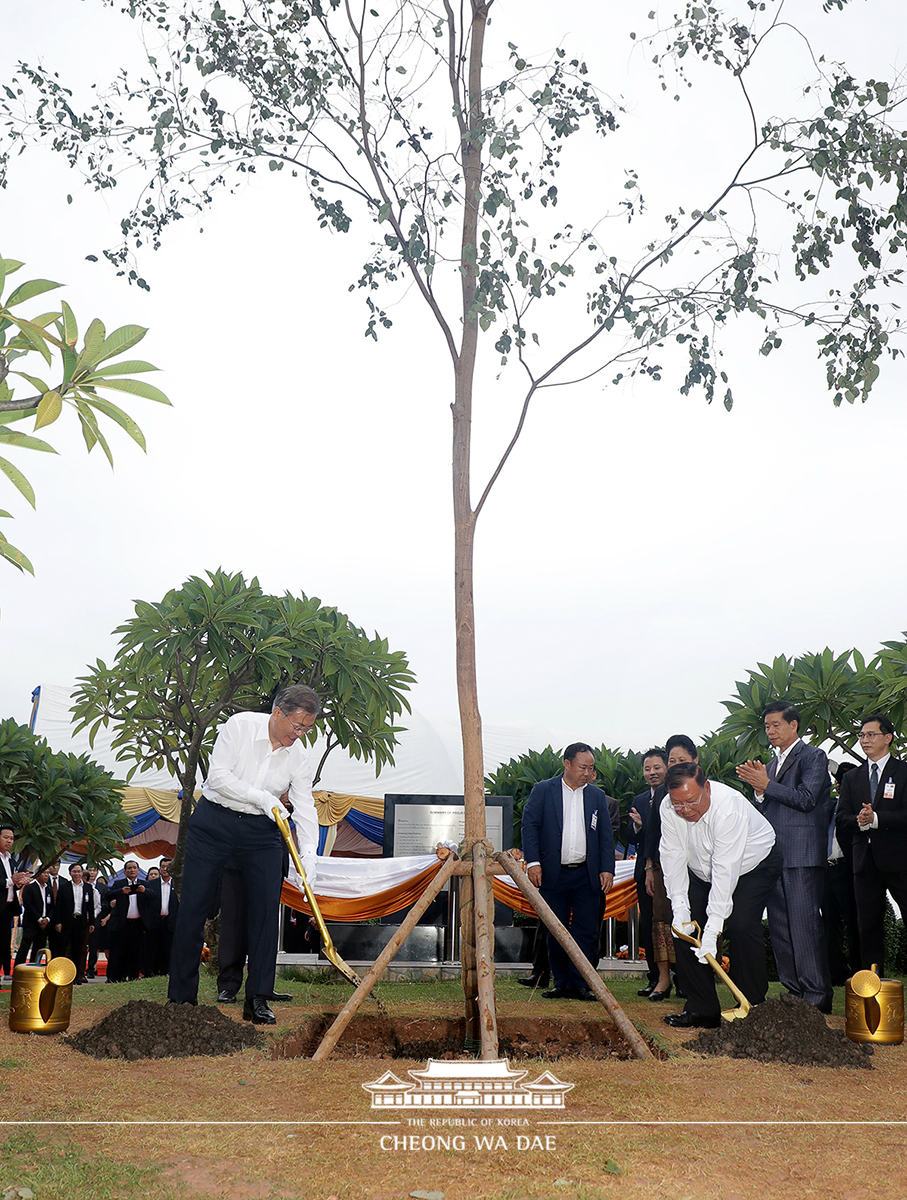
(719, 861)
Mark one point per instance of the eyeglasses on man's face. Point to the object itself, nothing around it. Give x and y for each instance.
(298, 729)
(689, 803)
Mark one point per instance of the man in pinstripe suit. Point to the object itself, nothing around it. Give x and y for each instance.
(794, 795)
(873, 812)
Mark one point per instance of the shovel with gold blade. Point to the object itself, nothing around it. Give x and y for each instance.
(729, 1014)
(330, 952)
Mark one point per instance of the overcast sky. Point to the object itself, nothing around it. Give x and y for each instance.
(639, 553)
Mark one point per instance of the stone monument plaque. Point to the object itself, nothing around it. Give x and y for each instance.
(415, 824)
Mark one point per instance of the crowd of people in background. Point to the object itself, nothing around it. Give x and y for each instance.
(79, 915)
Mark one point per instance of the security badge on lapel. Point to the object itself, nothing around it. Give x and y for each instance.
(889, 789)
(595, 814)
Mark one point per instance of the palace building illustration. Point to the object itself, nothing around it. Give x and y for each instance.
(446, 1084)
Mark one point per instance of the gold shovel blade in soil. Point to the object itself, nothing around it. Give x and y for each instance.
(330, 952)
(729, 1014)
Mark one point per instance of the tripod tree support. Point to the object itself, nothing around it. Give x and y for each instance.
(579, 960)
(349, 1010)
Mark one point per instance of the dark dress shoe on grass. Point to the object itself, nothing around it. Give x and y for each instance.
(647, 990)
(278, 997)
(226, 997)
(534, 981)
(585, 993)
(560, 994)
(656, 996)
(256, 1010)
(691, 1020)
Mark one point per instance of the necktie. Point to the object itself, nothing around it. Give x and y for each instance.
(55, 889)
(873, 781)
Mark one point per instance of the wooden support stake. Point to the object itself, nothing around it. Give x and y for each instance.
(579, 960)
(488, 1022)
(349, 1010)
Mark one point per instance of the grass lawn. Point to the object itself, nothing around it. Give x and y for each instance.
(248, 1127)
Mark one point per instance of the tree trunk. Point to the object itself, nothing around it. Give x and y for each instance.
(187, 781)
(464, 517)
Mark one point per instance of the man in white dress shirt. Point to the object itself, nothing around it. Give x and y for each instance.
(720, 862)
(256, 758)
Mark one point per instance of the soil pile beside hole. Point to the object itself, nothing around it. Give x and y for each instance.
(786, 1030)
(143, 1029)
(423, 1038)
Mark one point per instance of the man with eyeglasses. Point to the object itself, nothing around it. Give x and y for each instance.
(720, 862)
(794, 794)
(257, 757)
(872, 811)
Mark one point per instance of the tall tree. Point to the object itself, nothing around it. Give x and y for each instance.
(219, 645)
(386, 112)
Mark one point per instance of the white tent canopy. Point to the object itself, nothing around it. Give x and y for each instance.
(428, 755)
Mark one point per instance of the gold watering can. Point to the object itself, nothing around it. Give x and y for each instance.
(41, 998)
(874, 1009)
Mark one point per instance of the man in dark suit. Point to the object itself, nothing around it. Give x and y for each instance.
(97, 940)
(78, 904)
(873, 812)
(37, 906)
(127, 929)
(61, 919)
(10, 880)
(57, 936)
(569, 851)
(794, 795)
(654, 769)
(159, 905)
(541, 968)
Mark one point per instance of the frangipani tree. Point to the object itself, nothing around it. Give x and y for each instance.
(76, 378)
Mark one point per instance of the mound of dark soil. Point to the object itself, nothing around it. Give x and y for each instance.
(786, 1030)
(143, 1029)
(423, 1037)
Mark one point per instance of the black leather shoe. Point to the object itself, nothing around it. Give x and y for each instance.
(226, 997)
(656, 996)
(560, 994)
(585, 993)
(691, 1020)
(647, 990)
(534, 981)
(278, 997)
(256, 1010)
